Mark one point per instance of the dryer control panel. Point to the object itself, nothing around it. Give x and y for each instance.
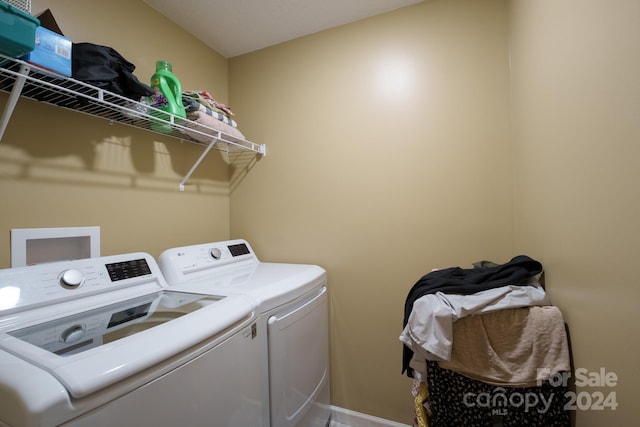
(188, 262)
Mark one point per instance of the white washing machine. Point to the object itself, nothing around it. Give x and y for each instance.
(104, 342)
(292, 327)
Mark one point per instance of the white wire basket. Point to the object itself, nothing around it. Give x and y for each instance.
(23, 5)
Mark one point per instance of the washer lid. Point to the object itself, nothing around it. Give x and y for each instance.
(93, 349)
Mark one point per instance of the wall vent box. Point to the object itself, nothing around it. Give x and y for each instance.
(48, 21)
(30, 246)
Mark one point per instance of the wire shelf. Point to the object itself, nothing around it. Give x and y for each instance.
(29, 81)
(24, 5)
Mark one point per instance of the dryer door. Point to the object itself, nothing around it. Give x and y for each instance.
(299, 362)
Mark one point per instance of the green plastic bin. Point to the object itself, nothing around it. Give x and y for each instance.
(17, 31)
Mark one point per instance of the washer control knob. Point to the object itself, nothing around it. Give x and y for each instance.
(72, 278)
(215, 253)
(72, 334)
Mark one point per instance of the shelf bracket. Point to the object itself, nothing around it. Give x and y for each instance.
(18, 84)
(197, 163)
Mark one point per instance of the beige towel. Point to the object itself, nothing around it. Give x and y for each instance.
(198, 118)
(510, 347)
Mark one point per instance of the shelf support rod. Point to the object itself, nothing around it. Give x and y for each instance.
(197, 163)
(18, 84)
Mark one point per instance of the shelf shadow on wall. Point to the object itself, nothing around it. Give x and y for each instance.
(43, 142)
(240, 163)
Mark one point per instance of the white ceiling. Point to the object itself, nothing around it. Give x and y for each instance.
(234, 27)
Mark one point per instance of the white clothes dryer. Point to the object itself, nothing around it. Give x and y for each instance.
(105, 342)
(292, 327)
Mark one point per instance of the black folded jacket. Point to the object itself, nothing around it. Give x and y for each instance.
(104, 67)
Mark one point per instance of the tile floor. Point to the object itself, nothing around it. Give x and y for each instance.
(345, 418)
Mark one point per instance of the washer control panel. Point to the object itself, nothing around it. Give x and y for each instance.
(41, 284)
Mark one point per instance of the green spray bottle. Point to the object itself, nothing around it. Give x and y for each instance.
(168, 96)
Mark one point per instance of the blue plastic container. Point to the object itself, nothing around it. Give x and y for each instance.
(52, 52)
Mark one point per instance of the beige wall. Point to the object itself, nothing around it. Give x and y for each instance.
(377, 180)
(62, 169)
(576, 103)
(388, 155)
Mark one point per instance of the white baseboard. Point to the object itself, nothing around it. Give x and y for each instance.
(357, 419)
